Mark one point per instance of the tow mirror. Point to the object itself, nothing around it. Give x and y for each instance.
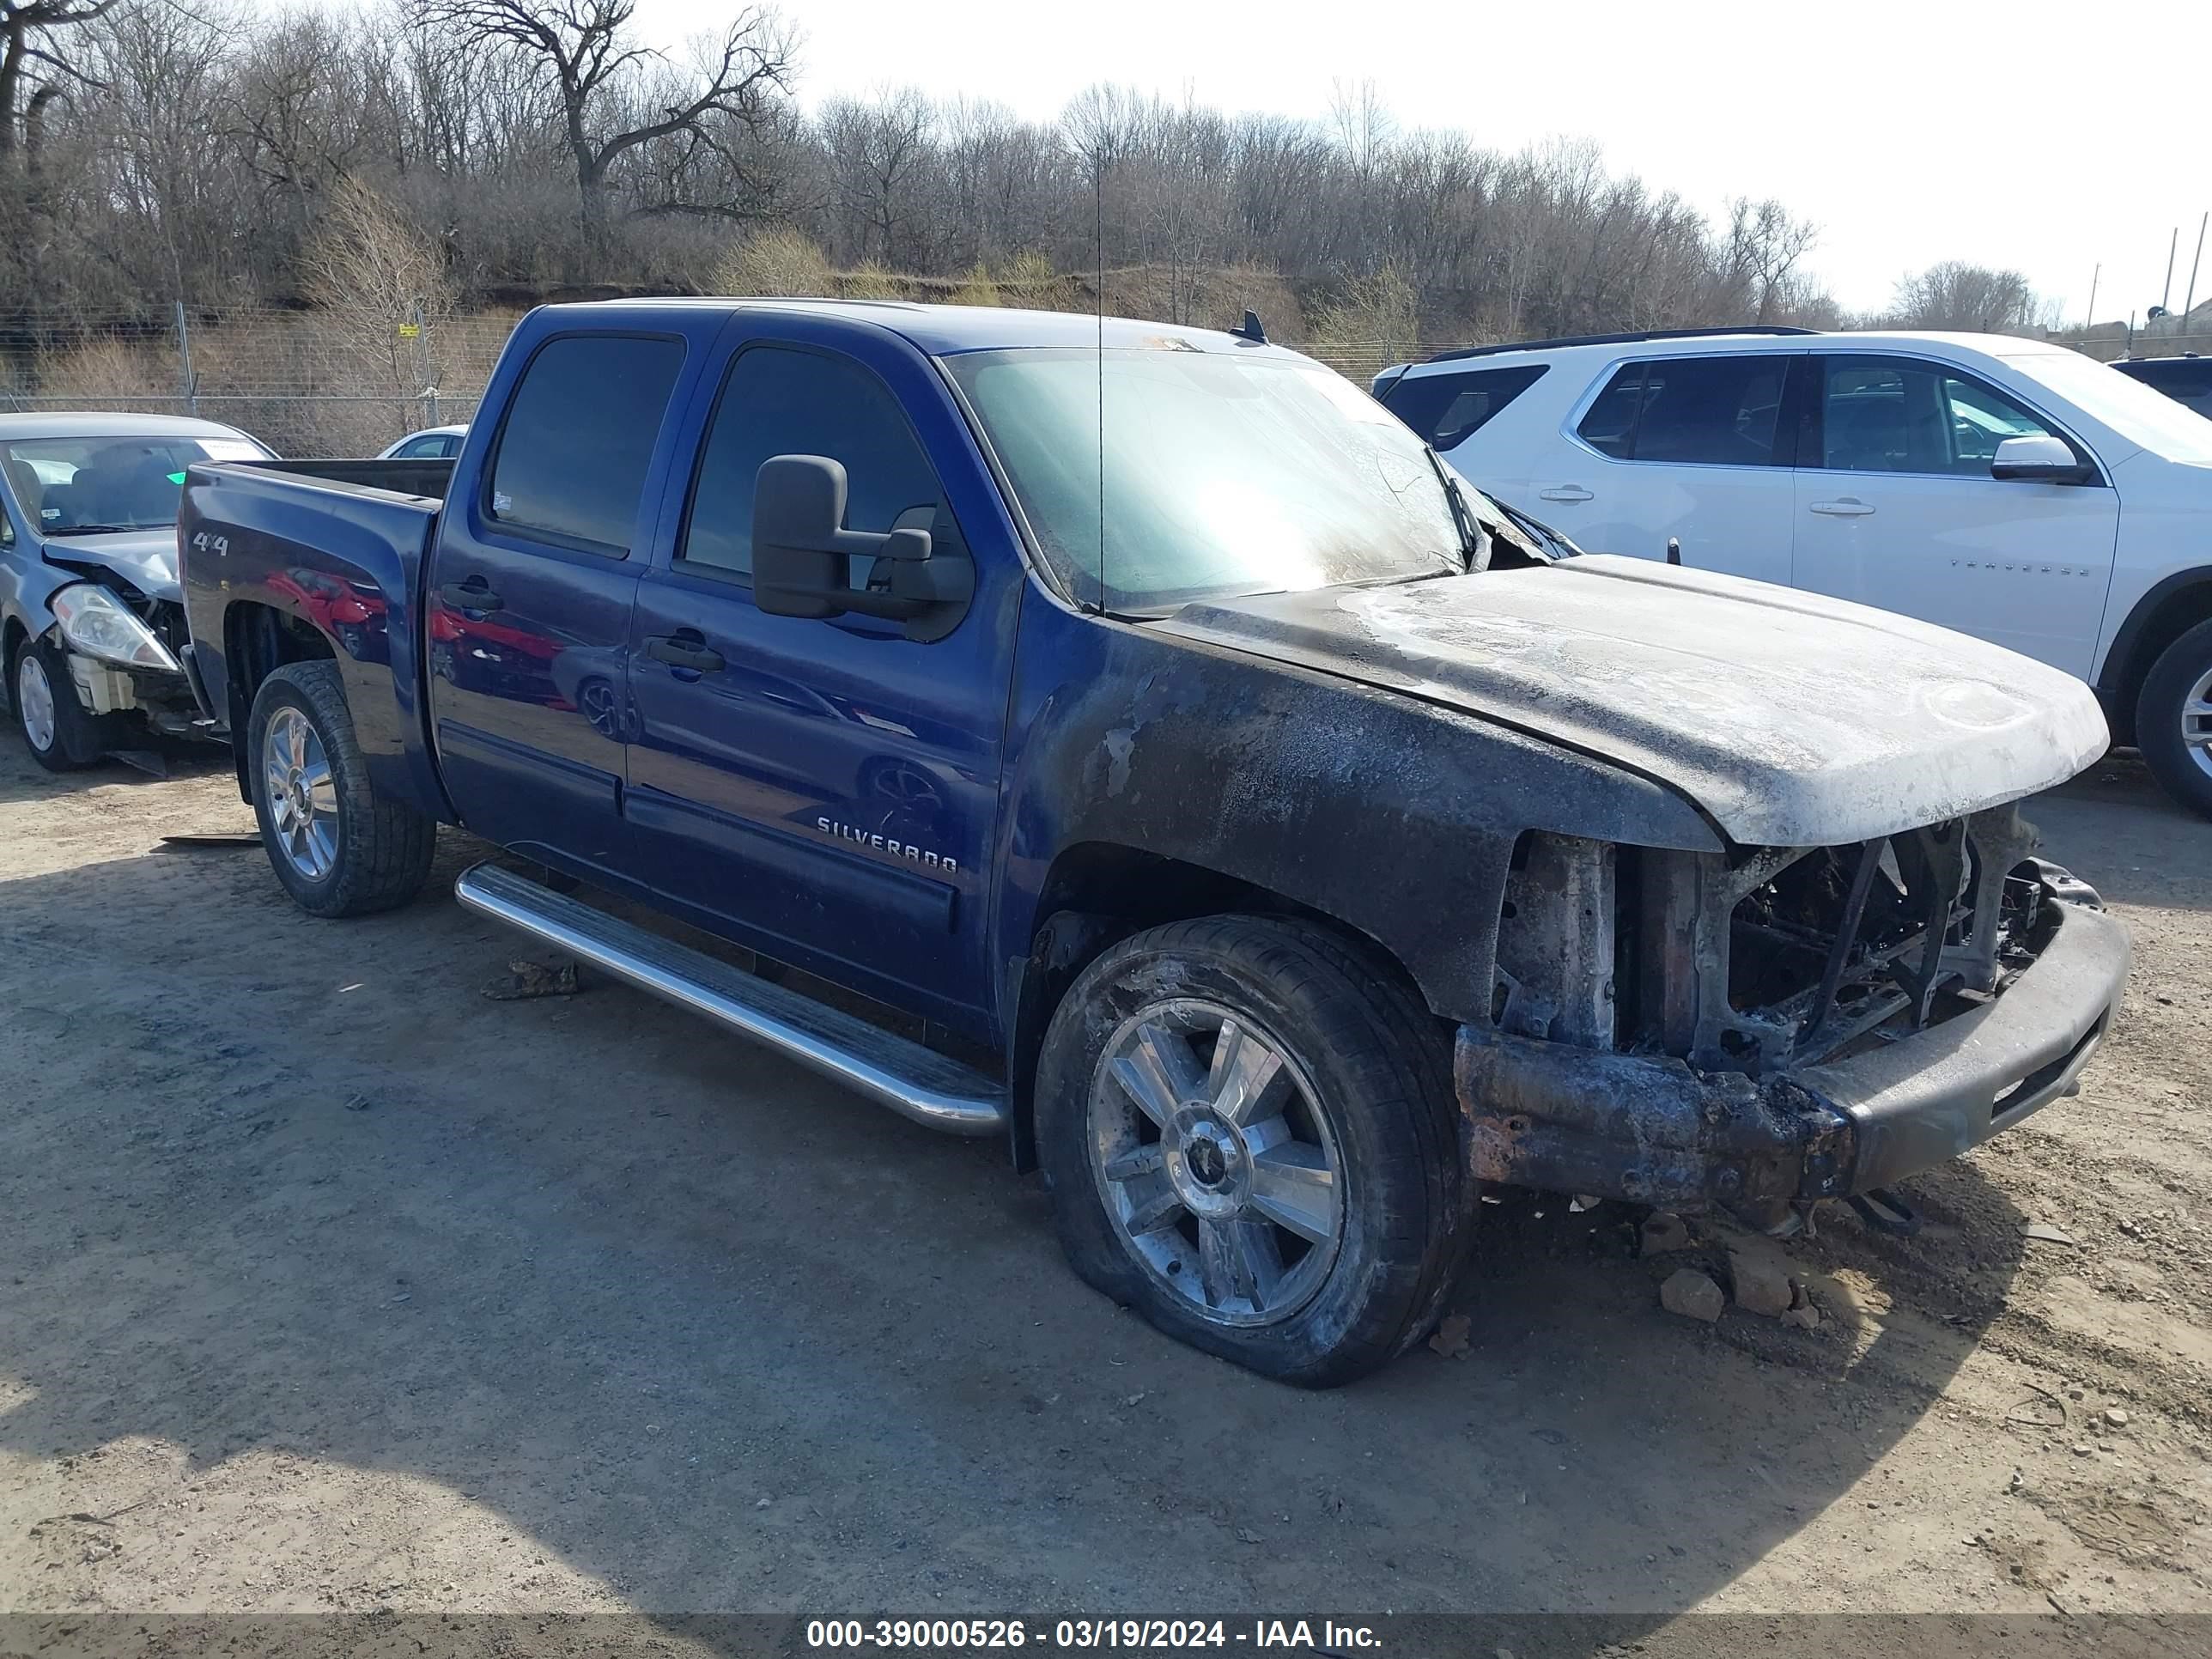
(803, 554)
(2041, 458)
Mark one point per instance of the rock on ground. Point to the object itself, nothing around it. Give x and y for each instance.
(1692, 1294)
(1760, 1274)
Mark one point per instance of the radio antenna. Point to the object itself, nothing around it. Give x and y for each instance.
(1098, 258)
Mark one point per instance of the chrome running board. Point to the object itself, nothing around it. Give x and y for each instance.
(915, 1082)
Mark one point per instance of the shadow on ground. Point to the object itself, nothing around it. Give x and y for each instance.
(2150, 851)
(161, 760)
(726, 1338)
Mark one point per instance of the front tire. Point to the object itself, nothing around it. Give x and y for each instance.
(339, 847)
(62, 735)
(1249, 1135)
(2173, 719)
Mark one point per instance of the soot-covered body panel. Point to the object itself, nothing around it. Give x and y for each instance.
(1792, 720)
(1393, 815)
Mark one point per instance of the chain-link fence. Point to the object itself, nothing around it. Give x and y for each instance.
(311, 384)
(2113, 341)
(301, 426)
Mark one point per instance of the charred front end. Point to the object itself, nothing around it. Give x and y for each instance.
(1757, 1029)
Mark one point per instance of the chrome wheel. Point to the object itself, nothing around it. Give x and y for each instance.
(2196, 723)
(303, 802)
(34, 700)
(1218, 1171)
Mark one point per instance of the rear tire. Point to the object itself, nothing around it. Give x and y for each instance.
(339, 847)
(2173, 719)
(1307, 1228)
(62, 735)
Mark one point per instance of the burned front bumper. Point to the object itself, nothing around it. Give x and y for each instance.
(1653, 1130)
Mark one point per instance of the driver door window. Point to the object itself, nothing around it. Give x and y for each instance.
(779, 400)
(1892, 414)
(1980, 418)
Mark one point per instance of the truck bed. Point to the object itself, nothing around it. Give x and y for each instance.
(277, 558)
(426, 479)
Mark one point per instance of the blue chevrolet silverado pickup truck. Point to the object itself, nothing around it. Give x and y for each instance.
(1273, 839)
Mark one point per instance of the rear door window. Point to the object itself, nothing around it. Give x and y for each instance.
(1447, 409)
(1706, 412)
(1609, 427)
(579, 439)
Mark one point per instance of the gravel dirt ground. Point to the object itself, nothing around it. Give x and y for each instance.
(327, 1285)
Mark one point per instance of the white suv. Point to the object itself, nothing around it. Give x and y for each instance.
(2003, 487)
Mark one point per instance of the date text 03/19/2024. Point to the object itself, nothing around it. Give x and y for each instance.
(1294, 1635)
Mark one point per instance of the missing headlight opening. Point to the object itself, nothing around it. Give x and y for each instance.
(1768, 958)
(1747, 1030)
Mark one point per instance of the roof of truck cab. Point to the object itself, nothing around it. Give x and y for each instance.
(102, 423)
(948, 331)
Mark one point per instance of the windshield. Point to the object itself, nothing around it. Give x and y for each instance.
(1224, 474)
(83, 485)
(2136, 411)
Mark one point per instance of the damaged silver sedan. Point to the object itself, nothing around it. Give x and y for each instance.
(91, 626)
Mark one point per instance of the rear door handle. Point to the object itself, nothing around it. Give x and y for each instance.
(1564, 493)
(474, 594)
(685, 650)
(1849, 507)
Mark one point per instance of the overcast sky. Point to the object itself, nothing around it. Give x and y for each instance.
(2013, 133)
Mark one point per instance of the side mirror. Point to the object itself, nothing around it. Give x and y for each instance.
(803, 554)
(2039, 459)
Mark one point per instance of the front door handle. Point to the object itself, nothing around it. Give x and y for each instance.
(1564, 493)
(474, 594)
(1847, 507)
(685, 650)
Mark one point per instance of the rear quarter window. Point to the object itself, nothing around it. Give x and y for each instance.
(579, 437)
(1447, 409)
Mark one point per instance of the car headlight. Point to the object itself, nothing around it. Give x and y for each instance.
(93, 621)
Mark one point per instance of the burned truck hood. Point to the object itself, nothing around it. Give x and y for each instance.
(147, 559)
(1791, 720)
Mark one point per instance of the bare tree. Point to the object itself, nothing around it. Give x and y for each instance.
(1765, 244)
(1376, 323)
(1957, 295)
(590, 54)
(1365, 126)
(382, 295)
(33, 67)
(203, 146)
(159, 68)
(877, 151)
